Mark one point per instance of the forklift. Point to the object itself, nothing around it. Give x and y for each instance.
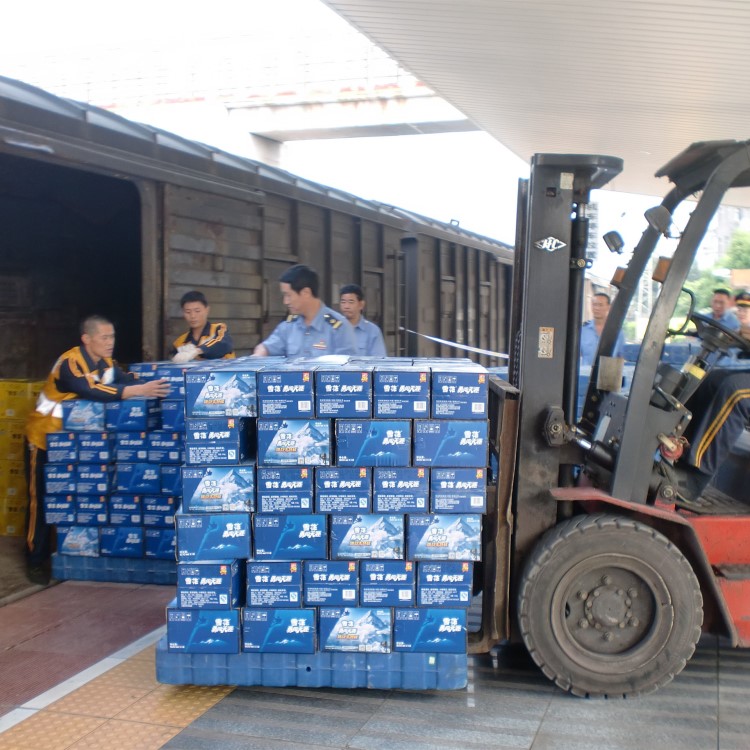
(589, 557)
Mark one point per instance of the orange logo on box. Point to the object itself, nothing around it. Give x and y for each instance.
(230, 423)
(223, 570)
(352, 566)
(422, 377)
(482, 378)
(303, 473)
(465, 567)
(420, 473)
(480, 473)
(363, 473)
(365, 377)
(293, 567)
(305, 377)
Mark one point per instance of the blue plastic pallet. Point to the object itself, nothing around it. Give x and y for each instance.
(337, 670)
(114, 569)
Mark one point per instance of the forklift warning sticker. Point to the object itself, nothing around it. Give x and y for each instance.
(546, 343)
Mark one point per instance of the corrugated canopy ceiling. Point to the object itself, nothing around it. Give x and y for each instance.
(638, 79)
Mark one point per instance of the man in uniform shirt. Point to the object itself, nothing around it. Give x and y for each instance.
(592, 330)
(204, 340)
(86, 372)
(370, 342)
(721, 309)
(311, 329)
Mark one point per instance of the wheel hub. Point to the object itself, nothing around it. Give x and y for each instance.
(609, 612)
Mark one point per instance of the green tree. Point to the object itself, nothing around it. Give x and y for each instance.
(738, 255)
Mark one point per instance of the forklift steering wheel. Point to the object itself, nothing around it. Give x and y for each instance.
(717, 334)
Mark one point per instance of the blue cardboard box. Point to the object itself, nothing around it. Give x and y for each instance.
(94, 479)
(203, 631)
(361, 629)
(60, 510)
(137, 479)
(331, 582)
(294, 442)
(274, 584)
(218, 489)
(174, 374)
(132, 415)
(160, 544)
(386, 583)
(278, 631)
(125, 510)
(165, 447)
(290, 537)
(444, 584)
(373, 442)
(159, 510)
(343, 490)
(170, 479)
(62, 447)
(131, 447)
(367, 536)
(91, 510)
(401, 379)
(60, 479)
(285, 489)
(221, 392)
(444, 537)
(79, 414)
(218, 440)
(209, 585)
(343, 392)
(121, 541)
(450, 442)
(286, 391)
(173, 415)
(213, 536)
(427, 630)
(79, 541)
(144, 370)
(96, 447)
(459, 391)
(401, 391)
(458, 490)
(404, 490)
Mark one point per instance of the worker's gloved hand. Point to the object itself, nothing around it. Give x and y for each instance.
(185, 353)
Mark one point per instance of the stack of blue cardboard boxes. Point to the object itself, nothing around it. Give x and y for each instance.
(113, 484)
(329, 540)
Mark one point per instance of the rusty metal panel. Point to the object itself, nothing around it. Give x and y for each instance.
(344, 263)
(471, 296)
(278, 229)
(213, 244)
(392, 309)
(310, 236)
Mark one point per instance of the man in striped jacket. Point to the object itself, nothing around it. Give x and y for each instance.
(204, 340)
(87, 372)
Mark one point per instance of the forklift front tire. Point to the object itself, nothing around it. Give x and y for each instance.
(609, 606)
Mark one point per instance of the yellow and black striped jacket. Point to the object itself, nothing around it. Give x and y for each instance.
(74, 375)
(214, 342)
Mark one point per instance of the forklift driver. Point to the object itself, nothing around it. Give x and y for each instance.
(724, 409)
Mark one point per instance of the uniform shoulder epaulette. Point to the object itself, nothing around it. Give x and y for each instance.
(291, 318)
(331, 320)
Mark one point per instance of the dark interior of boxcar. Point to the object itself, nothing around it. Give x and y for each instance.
(70, 246)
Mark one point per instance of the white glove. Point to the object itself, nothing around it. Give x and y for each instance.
(185, 353)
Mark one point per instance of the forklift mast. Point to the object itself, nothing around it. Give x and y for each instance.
(546, 316)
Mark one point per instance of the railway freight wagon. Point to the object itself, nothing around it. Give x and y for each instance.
(100, 214)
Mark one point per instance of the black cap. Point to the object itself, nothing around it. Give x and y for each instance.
(742, 299)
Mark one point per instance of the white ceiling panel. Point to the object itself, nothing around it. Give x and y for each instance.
(638, 79)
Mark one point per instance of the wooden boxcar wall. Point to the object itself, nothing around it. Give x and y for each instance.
(213, 243)
(456, 293)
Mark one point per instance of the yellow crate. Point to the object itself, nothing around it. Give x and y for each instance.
(17, 398)
(11, 439)
(12, 524)
(13, 482)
